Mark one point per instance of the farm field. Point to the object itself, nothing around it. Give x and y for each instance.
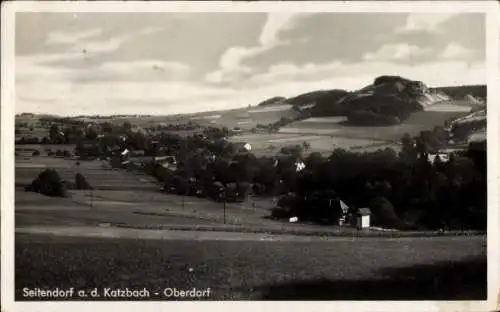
(417, 122)
(138, 209)
(99, 174)
(245, 118)
(257, 267)
(323, 144)
(42, 147)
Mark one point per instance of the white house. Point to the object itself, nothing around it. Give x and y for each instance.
(363, 218)
(443, 156)
(299, 165)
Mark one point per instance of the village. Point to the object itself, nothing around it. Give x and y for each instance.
(205, 164)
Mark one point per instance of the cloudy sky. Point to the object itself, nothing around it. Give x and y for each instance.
(167, 63)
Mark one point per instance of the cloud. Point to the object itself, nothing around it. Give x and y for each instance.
(231, 62)
(60, 37)
(100, 46)
(352, 76)
(142, 70)
(66, 97)
(293, 72)
(85, 42)
(32, 68)
(62, 96)
(427, 22)
(400, 51)
(456, 51)
(35, 67)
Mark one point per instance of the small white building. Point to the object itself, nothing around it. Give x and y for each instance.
(444, 157)
(363, 218)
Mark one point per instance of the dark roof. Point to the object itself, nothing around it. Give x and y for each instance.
(364, 211)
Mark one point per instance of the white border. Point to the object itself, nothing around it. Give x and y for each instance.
(7, 147)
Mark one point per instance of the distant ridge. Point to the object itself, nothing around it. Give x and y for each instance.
(277, 100)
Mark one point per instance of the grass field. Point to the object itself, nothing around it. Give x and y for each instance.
(316, 269)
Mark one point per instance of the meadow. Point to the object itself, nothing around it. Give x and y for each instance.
(259, 267)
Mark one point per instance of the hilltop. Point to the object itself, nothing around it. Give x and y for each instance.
(388, 100)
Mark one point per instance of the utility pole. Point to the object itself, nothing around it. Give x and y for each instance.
(91, 197)
(183, 195)
(225, 201)
(224, 193)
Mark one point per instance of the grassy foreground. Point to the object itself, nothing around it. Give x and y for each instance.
(361, 269)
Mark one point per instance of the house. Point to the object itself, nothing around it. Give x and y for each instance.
(444, 157)
(168, 162)
(325, 205)
(242, 147)
(363, 218)
(88, 148)
(299, 165)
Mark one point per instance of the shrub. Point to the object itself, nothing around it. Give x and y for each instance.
(384, 214)
(48, 183)
(280, 213)
(81, 182)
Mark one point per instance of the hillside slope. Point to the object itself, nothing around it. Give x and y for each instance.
(388, 100)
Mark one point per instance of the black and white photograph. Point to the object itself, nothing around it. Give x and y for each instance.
(261, 153)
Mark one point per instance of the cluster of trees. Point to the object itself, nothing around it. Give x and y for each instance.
(190, 125)
(328, 104)
(461, 131)
(426, 142)
(49, 183)
(364, 117)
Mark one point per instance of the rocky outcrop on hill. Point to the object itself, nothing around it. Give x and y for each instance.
(389, 100)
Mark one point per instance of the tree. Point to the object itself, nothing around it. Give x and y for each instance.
(91, 133)
(306, 145)
(107, 127)
(48, 183)
(81, 182)
(127, 126)
(384, 214)
(409, 150)
(54, 133)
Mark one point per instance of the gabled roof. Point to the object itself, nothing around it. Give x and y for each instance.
(364, 211)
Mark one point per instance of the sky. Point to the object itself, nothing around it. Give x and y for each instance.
(172, 63)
